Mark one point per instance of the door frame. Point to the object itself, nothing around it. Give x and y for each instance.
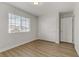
(72, 28)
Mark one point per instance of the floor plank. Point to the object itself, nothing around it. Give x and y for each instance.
(41, 48)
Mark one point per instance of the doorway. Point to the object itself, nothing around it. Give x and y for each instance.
(66, 27)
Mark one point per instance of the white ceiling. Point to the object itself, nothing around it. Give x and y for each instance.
(44, 7)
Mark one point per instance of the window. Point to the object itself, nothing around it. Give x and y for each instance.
(18, 23)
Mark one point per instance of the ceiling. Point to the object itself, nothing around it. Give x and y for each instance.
(44, 7)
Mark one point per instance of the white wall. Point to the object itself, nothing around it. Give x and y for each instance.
(49, 27)
(7, 40)
(76, 27)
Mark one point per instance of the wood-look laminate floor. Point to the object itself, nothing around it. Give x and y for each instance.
(41, 48)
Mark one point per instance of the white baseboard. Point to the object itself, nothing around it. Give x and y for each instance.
(49, 40)
(11, 47)
(77, 50)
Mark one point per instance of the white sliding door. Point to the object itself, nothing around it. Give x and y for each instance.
(66, 29)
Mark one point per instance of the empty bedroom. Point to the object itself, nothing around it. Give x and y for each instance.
(39, 29)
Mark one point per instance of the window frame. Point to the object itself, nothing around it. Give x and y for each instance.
(10, 15)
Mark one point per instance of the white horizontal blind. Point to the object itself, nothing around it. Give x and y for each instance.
(18, 23)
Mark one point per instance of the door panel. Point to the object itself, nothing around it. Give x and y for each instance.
(66, 29)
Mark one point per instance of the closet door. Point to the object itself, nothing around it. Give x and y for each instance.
(66, 29)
